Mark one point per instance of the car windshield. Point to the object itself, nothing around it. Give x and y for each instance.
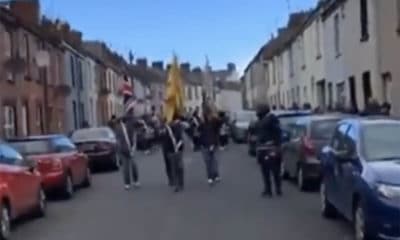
(285, 121)
(245, 116)
(33, 147)
(323, 129)
(92, 134)
(381, 141)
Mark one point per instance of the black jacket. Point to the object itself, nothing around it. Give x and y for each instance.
(209, 133)
(166, 140)
(268, 129)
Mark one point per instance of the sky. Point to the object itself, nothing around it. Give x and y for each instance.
(224, 30)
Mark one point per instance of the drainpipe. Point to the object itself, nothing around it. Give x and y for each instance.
(378, 63)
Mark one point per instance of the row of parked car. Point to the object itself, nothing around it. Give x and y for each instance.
(356, 162)
(34, 167)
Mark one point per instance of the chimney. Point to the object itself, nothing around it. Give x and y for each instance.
(141, 62)
(231, 67)
(185, 67)
(159, 65)
(75, 37)
(28, 11)
(196, 70)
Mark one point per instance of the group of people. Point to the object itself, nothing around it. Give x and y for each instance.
(207, 133)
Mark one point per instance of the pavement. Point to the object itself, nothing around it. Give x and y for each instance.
(231, 210)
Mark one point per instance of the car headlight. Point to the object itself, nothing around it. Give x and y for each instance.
(388, 191)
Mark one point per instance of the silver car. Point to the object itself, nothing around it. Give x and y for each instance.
(240, 125)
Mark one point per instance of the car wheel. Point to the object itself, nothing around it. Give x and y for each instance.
(5, 222)
(68, 187)
(360, 228)
(327, 209)
(42, 203)
(88, 178)
(301, 181)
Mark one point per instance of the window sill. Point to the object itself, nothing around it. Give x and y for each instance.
(318, 57)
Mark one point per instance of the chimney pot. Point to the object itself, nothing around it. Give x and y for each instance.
(185, 67)
(159, 65)
(231, 67)
(141, 62)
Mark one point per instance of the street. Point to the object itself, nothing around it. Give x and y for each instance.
(231, 210)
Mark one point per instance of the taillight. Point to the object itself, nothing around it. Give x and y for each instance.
(308, 146)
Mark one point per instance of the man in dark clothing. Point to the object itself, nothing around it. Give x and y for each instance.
(209, 133)
(165, 142)
(126, 141)
(194, 129)
(173, 144)
(268, 149)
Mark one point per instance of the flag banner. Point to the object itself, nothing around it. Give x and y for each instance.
(174, 101)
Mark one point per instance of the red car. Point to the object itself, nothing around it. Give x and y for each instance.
(62, 166)
(21, 190)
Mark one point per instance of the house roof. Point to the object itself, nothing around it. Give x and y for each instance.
(146, 75)
(230, 85)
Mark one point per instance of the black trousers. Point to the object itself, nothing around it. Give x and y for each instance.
(224, 140)
(168, 167)
(271, 168)
(177, 169)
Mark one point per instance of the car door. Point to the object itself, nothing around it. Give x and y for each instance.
(349, 171)
(20, 181)
(70, 157)
(334, 186)
(298, 130)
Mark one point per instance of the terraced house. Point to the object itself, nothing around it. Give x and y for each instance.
(31, 73)
(343, 52)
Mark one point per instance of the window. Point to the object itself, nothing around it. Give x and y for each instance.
(340, 93)
(81, 113)
(9, 155)
(291, 63)
(79, 72)
(380, 141)
(43, 75)
(318, 38)
(75, 114)
(337, 35)
(39, 117)
(27, 49)
(63, 144)
(364, 20)
(303, 52)
(7, 44)
(189, 92)
(72, 65)
(25, 119)
(10, 122)
(305, 94)
(196, 93)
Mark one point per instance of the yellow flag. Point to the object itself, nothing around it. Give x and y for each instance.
(174, 101)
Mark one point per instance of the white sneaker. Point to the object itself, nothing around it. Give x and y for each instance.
(136, 184)
(127, 187)
(210, 181)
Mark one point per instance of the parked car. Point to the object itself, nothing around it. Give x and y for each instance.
(99, 144)
(21, 190)
(361, 176)
(240, 125)
(62, 166)
(308, 135)
(285, 118)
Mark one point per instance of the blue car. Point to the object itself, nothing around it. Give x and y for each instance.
(361, 176)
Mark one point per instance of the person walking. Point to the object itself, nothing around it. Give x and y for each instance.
(194, 129)
(209, 133)
(268, 149)
(174, 152)
(126, 141)
(165, 145)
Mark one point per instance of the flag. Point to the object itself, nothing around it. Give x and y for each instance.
(129, 105)
(174, 101)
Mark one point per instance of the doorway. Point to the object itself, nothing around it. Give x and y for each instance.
(353, 93)
(367, 89)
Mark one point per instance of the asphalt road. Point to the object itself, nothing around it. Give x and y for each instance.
(232, 210)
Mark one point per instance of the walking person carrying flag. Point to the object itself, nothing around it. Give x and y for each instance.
(173, 140)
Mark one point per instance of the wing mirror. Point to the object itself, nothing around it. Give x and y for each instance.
(30, 164)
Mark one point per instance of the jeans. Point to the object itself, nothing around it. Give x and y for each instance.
(268, 168)
(212, 165)
(168, 167)
(129, 169)
(176, 161)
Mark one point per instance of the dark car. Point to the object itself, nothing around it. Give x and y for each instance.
(307, 137)
(240, 125)
(361, 176)
(285, 118)
(99, 144)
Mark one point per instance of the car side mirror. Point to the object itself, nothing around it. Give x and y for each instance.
(30, 164)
